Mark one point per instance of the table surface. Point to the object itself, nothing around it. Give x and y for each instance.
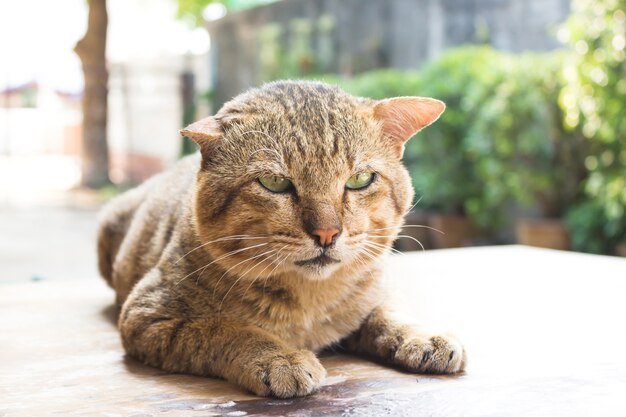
(545, 333)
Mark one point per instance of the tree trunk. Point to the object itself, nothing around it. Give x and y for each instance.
(91, 51)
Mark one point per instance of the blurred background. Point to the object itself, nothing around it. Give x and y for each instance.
(532, 148)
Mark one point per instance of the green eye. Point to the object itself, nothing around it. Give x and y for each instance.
(275, 183)
(360, 180)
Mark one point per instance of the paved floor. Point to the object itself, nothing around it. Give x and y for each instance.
(544, 331)
(47, 243)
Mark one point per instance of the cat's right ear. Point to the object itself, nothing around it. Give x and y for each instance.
(205, 133)
(403, 117)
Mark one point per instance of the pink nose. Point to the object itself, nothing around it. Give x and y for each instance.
(326, 236)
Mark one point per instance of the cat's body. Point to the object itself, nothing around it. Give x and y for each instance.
(222, 272)
(301, 312)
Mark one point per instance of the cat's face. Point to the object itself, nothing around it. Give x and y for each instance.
(303, 178)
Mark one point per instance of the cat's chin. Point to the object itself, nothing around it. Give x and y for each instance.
(317, 272)
(319, 267)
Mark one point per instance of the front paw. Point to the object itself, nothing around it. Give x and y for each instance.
(435, 355)
(287, 375)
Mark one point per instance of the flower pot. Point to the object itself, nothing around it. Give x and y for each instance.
(455, 230)
(543, 233)
(421, 234)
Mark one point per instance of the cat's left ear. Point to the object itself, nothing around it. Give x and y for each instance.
(204, 132)
(403, 117)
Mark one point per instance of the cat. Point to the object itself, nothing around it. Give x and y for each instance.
(265, 247)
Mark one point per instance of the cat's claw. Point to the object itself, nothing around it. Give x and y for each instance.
(436, 355)
(295, 374)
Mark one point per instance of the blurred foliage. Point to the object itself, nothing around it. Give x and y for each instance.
(191, 10)
(594, 100)
(518, 143)
(378, 84)
(290, 53)
(590, 229)
(443, 170)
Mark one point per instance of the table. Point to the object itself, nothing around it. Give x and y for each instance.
(545, 333)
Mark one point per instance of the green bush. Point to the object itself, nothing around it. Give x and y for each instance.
(442, 169)
(594, 100)
(378, 84)
(590, 229)
(522, 152)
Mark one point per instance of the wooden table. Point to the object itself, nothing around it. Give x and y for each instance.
(545, 331)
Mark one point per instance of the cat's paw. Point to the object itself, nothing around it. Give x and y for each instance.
(435, 355)
(294, 374)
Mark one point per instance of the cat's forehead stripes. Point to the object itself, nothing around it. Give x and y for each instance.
(308, 123)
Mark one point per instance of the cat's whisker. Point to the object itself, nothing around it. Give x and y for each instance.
(422, 226)
(366, 258)
(255, 265)
(234, 266)
(278, 155)
(384, 247)
(403, 236)
(219, 310)
(276, 256)
(381, 246)
(231, 253)
(272, 271)
(264, 149)
(222, 257)
(259, 131)
(363, 250)
(376, 251)
(373, 256)
(416, 203)
(361, 261)
(222, 239)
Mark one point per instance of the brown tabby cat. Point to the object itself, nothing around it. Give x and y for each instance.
(243, 261)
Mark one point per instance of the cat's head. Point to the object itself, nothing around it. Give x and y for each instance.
(301, 177)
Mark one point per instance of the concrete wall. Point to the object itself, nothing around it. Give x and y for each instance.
(369, 34)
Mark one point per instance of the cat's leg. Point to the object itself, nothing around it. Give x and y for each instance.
(401, 345)
(243, 354)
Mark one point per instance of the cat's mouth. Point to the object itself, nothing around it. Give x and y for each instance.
(319, 261)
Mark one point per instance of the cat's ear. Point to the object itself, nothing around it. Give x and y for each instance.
(402, 117)
(205, 133)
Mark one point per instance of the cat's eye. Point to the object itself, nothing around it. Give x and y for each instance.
(275, 183)
(360, 180)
